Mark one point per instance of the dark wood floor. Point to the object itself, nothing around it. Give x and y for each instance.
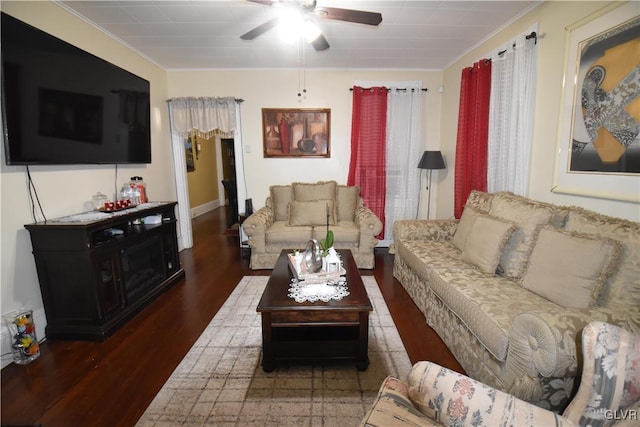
(111, 383)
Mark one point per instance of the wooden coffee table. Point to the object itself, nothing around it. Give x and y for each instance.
(314, 331)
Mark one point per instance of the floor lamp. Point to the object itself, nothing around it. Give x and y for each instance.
(430, 160)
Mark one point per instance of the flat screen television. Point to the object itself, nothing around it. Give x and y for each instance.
(63, 105)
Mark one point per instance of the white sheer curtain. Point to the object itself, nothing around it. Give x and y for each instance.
(513, 77)
(404, 138)
(207, 116)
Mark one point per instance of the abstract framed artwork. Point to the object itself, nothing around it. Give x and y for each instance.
(290, 132)
(598, 147)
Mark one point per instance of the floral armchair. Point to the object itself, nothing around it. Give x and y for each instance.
(609, 392)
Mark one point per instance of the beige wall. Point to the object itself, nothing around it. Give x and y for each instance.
(553, 17)
(203, 181)
(279, 89)
(63, 190)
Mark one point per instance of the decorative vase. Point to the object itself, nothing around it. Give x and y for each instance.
(313, 256)
(273, 138)
(285, 136)
(24, 344)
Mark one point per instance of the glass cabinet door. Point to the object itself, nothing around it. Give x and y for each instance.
(109, 286)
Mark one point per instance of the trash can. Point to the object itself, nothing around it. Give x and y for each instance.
(22, 332)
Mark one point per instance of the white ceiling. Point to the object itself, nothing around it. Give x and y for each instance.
(426, 35)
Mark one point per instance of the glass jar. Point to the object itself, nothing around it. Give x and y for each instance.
(141, 186)
(135, 191)
(98, 200)
(131, 193)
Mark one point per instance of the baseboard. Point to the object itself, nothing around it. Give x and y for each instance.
(5, 339)
(202, 209)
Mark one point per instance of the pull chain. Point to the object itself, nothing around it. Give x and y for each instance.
(302, 74)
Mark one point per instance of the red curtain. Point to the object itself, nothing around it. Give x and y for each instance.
(473, 131)
(367, 167)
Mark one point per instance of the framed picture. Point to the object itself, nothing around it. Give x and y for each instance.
(598, 151)
(290, 132)
(188, 153)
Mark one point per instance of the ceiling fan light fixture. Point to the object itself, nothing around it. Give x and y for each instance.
(311, 31)
(291, 25)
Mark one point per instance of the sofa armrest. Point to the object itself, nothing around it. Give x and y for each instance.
(424, 229)
(455, 399)
(370, 226)
(393, 407)
(542, 358)
(256, 225)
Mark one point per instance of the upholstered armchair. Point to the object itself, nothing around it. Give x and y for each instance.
(609, 392)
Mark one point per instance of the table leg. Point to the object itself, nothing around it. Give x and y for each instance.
(268, 359)
(362, 359)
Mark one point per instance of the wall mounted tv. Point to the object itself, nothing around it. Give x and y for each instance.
(62, 105)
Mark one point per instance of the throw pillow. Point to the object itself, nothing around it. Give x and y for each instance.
(485, 242)
(465, 225)
(347, 202)
(568, 268)
(312, 213)
(623, 288)
(280, 198)
(322, 190)
(527, 215)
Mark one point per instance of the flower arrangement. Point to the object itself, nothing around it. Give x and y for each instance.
(328, 240)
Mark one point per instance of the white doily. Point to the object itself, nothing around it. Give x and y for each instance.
(312, 292)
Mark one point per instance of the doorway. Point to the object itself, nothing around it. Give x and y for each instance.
(229, 180)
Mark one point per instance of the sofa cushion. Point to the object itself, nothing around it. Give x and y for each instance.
(321, 190)
(570, 269)
(468, 218)
(623, 288)
(479, 200)
(280, 198)
(480, 302)
(528, 215)
(293, 237)
(347, 202)
(316, 212)
(344, 232)
(421, 255)
(485, 242)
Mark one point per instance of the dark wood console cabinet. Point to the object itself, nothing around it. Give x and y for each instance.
(96, 273)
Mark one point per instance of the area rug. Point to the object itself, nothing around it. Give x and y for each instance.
(220, 382)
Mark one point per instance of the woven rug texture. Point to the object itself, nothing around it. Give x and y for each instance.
(220, 382)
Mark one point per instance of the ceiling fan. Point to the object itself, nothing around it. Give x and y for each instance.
(310, 7)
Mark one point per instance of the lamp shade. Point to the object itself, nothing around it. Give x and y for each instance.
(431, 160)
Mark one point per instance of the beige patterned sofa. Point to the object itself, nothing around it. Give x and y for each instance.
(294, 214)
(510, 286)
(435, 396)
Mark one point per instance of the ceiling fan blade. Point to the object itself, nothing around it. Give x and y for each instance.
(265, 2)
(260, 29)
(349, 15)
(320, 43)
